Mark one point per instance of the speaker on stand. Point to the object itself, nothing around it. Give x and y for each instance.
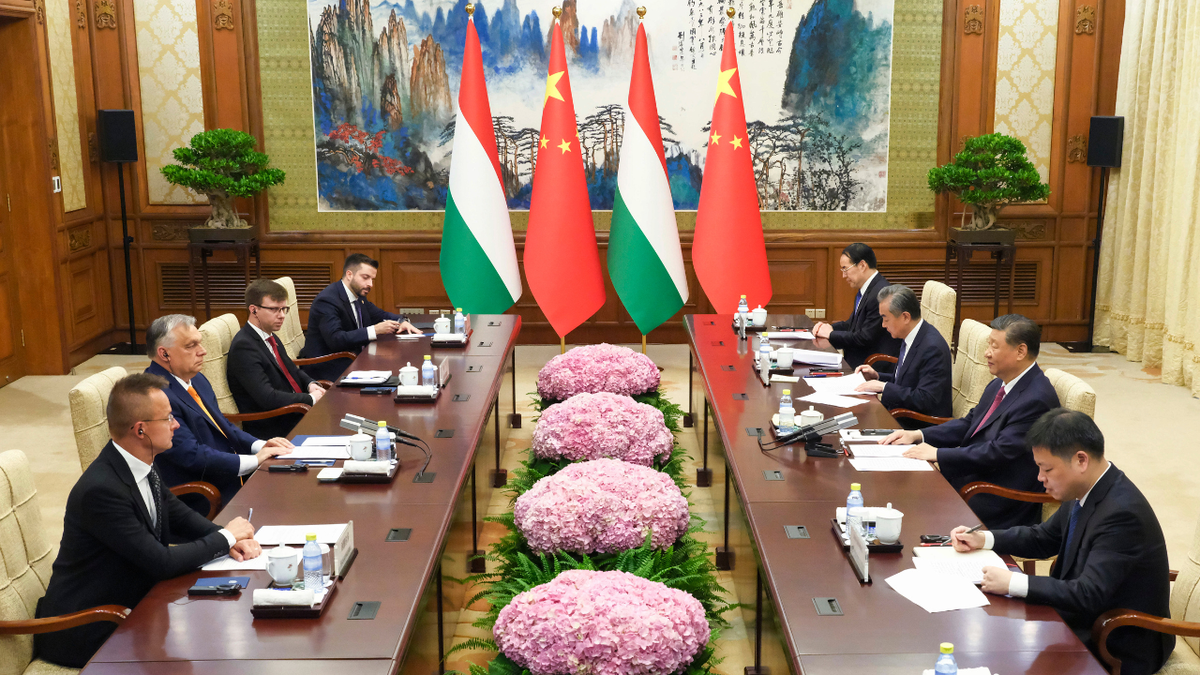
(117, 133)
(1105, 138)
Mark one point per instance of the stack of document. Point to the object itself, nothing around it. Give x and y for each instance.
(981, 670)
(935, 592)
(844, 385)
(789, 335)
(862, 450)
(321, 447)
(945, 561)
(890, 464)
(835, 400)
(367, 377)
(816, 358)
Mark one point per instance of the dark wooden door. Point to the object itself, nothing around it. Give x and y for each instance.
(12, 348)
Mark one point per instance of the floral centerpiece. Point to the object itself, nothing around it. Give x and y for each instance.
(602, 506)
(596, 368)
(594, 426)
(603, 623)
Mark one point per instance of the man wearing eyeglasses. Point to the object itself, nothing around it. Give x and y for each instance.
(863, 334)
(261, 375)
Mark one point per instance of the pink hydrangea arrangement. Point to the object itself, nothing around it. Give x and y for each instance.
(594, 426)
(596, 368)
(601, 506)
(602, 623)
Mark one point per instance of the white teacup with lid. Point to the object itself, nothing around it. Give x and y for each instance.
(441, 325)
(810, 416)
(887, 524)
(410, 376)
(758, 317)
(283, 563)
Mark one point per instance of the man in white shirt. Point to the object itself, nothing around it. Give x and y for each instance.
(123, 530)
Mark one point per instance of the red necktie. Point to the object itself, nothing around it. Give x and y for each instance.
(988, 415)
(279, 359)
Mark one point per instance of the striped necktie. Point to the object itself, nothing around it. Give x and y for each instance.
(196, 396)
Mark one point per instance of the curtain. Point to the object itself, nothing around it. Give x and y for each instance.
(1148, 294)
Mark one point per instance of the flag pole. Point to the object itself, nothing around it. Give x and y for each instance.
(562, 345)
(643, 344)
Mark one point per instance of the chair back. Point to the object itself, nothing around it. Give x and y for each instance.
(25, 560)
(971, 375)
(292, 333)
(1185, 593)
(215, 336)
(937, 307)
(89, 413)
(1073, 393)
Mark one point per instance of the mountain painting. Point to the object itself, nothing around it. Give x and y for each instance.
(816, 77)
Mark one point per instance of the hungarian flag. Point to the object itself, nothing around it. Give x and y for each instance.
(478, 259)
(644, 259)
(728, 251)
(562, 263)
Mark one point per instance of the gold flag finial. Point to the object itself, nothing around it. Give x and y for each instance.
(641, 12)
(557, 12)
(730, 12)
(470, 9)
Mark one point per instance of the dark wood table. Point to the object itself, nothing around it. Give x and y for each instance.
(169, 633)
(879, 631)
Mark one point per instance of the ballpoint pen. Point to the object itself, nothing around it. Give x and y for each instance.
(250, 516)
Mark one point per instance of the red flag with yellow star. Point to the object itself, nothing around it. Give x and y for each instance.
(562, 262)
(728, 252)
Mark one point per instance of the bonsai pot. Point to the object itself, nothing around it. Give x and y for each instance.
(200, 235)
(997, 236)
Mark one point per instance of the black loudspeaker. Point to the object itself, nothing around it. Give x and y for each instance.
(118, 135)
(1104, 141)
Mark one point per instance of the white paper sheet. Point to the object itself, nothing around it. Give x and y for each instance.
(855, 436)
(789, 335)
(890, 464)
(325, 441)
(273, 535)
(784, 378)
(981, 670)
(981, 557)
(367, 376)
(844, 384)
(318, 452)
(970, 570)
(863, 450)
(813, 357)
(834, 400)
(936, 593)
(228, 564)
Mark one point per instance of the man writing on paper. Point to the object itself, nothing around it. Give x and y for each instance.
(123, 530)
(341, 318)
(921, 381)
(1110, 548)
(862, 334)
(207, 446)
(988, 444)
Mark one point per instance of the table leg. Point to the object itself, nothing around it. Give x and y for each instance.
(257, 262)
(1012, 277)
(514, 420)
(204, 275)
(441, 628)
(758, 668)
(704, 475)
(725, 553)
(962, 256)
(687, 418)
(996, 290)
(244, 257)
(499, 474)
(192, 276)
(476, 564)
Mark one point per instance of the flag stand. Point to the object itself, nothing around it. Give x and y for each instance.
(643, 344)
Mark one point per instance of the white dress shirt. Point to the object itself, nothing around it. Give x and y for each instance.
(266, 338)
(1018, 586)
(141, 476)
(248, 462)
(353, 299)
(908, 343)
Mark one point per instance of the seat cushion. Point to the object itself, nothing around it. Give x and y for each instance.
(40, 667)
(1183, 661)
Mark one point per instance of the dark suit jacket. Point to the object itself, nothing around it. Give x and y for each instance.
(1116, 559)
(922, 383)
(863, 334)
(332, 328)
(110, 554)
(200, 451)
(259, 385)
(997, 453)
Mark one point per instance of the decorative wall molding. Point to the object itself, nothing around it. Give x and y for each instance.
(1085, 20)
(80, 14)
(52, 146)
(170, 231)
(1077, 149)
(223, 15)
(106, 14)
(1032, 230)
(40, 8)
(93, 146)
(973, 20)
(79, 238)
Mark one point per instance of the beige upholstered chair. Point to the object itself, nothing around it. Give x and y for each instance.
(937, 307)
(1073, 393)
(216, 336)
(1184, 622)
(89, 417)
(25, 573)
(969, 377)
(292, 333)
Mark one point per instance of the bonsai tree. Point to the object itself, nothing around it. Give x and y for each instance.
(990, 173)
(222, 164)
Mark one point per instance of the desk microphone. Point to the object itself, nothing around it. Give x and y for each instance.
(812, 433)
(370, 428)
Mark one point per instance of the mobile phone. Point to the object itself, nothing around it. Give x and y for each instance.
(287, 468)
(378, 391)
(935, 538)
(231, 588)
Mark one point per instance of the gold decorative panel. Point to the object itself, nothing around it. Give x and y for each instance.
(973, 20)
(106, 14)
(172, 101)
(69, 147)
(1025, 61)
(1085, 20)
(223, 15)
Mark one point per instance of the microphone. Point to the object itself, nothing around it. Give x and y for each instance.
(364, 426)
(812, 432)
(373, 424)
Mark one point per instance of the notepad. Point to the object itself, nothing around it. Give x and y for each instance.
(313, 441)
(367, 376)
(318, 452)
(816, 358)
(789, 335)
(970, 570)
(833, 400)
(844, 385)
(936, 593)
(890, 464)
(228, 564)
(864, 450)
(273, 535)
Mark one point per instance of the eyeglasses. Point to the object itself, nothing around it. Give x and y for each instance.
(278, 310)
(848, 268)
(169, 418)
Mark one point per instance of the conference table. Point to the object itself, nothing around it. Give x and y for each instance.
(412, 579)
(765, 493)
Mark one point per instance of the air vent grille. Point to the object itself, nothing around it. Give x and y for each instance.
(227, 282)
(979, 279)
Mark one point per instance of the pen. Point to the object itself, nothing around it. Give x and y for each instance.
(945, 544)
(974, 529)
(250, 516)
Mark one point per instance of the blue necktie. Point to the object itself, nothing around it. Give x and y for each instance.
(1075, 509)
(857, 297)
(358, 312)
(900, 359)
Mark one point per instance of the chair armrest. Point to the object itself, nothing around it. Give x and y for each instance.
(876, 358)
(206, 490)
(285, 410)
(113, 613)
(328, 357)
(324, 384)
(921, 417)
(981, 488)
(1113, 619)
(1172, 574)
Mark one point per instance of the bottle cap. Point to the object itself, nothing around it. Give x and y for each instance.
(458, 309)
(428, 357)
(382, 424)
(743, 297)
(947, 648)
(857, 486)
(787, 392)
(311, 536)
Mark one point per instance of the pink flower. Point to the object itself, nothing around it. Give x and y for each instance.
(596, 368)
(602, 623)
(593, 426)
(602, 506)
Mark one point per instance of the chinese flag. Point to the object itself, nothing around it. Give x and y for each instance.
(728, 251)
(562, 262)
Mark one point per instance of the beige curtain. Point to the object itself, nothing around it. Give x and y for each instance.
(1148, 295)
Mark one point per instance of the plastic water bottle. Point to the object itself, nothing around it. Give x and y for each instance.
(854, 499)
(787, 414)
(764, 356)
(946, 662)
(314, 576)
(743, 317)
(460, 322)
(428, 371)
(383, 442)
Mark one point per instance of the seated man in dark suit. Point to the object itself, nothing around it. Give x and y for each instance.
(121, 522)
(921, 381)
(1110, 548)
(988, 444)
(261, 375)
(862, 334)
(207, 446)
(341, 318)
